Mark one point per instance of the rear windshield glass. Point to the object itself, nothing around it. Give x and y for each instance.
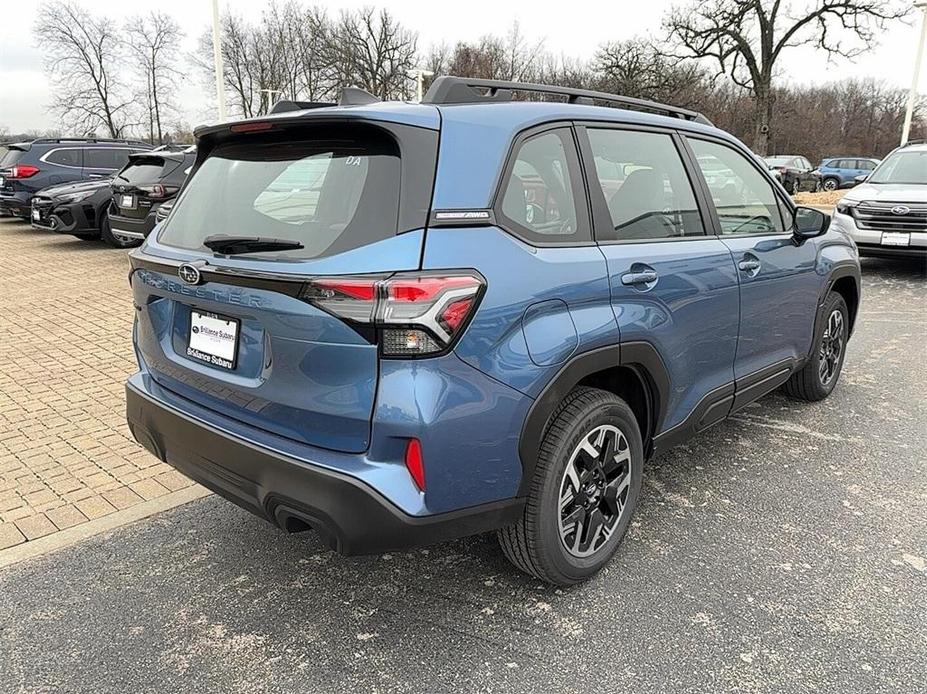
(11, 156)
(902, 167)
(141, 171)
(331, 195)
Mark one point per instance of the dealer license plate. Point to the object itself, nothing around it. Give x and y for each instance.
(896, 238)
(213, 339)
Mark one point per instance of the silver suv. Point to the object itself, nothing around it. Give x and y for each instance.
(887, 213)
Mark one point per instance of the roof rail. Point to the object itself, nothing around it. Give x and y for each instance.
(919, 141)
(286, 105)
(462, 90)
(59, 140)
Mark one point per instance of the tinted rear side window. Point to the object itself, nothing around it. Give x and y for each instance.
(106, 158)
(331, 195)
(64, 157)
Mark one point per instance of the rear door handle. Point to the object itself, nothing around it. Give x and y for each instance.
(644, 277)
(749, 265)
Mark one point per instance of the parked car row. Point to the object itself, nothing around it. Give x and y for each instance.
(796, 174)
(92, 188)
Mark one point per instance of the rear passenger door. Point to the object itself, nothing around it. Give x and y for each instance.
(100, 162)
(779, 287)
(673, 287)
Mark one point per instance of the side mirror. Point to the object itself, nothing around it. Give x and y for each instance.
(861, 178)
(810, 222)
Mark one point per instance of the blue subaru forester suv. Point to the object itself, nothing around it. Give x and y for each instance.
(398, 324)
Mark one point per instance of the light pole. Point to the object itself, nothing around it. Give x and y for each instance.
(912, 95)
(420, 76)
(217, 60)
(270, 96)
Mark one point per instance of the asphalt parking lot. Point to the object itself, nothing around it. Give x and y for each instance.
(785, 550)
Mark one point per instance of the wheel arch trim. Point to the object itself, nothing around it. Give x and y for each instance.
(641, 356)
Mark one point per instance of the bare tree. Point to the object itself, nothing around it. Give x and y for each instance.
(83, 55)
(154, 42)
(639, 69)
(304, 61)
(746, 38)
(372, 50)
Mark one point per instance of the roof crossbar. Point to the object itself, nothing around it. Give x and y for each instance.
(462, 90)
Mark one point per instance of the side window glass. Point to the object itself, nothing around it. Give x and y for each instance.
(105, 158)
(745, 200)
(539, 194)
(648, 193)
(64, 157)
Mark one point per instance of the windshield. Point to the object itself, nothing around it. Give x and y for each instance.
(902, 167)
(330, 195)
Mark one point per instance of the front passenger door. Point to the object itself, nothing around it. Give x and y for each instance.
(673, 288)
(779, 288)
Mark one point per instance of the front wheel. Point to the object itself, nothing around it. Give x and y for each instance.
(819, 376)
(584, 491)
(830, 184)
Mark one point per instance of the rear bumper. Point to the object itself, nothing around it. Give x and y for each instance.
(292, 493)
(16, 202)
(130, 228)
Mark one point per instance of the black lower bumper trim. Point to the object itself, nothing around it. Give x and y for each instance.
(293, 494)
(874, 251)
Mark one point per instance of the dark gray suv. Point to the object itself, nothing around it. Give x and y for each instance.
(28, 167)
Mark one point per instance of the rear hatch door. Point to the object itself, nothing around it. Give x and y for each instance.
(230, 332)
(140, 184)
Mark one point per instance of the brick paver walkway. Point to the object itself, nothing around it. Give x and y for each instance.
(66, 455)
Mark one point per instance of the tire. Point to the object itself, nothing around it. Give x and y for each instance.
(107, 235)
(830, 184)
(820, 374)
(588, 420)
(793, 187)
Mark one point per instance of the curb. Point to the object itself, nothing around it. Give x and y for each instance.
(78, 533)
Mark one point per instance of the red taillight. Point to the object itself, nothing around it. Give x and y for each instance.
(22, 171)
(414, 463)
(158, 191)
(424, 312)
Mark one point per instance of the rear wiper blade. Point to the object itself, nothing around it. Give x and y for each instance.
(235, 245)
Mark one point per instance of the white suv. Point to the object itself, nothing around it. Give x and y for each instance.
(887, 214)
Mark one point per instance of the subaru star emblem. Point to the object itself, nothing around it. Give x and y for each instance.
(189, 273)
(900, 209)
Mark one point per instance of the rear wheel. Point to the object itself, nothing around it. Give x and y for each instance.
(830, 184)
(584, 491)
(819, 376)
(106, 233)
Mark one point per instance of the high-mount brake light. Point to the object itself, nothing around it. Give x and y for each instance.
(260, 126)
(418, 313)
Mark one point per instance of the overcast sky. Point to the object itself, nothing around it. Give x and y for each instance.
(573, 28)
